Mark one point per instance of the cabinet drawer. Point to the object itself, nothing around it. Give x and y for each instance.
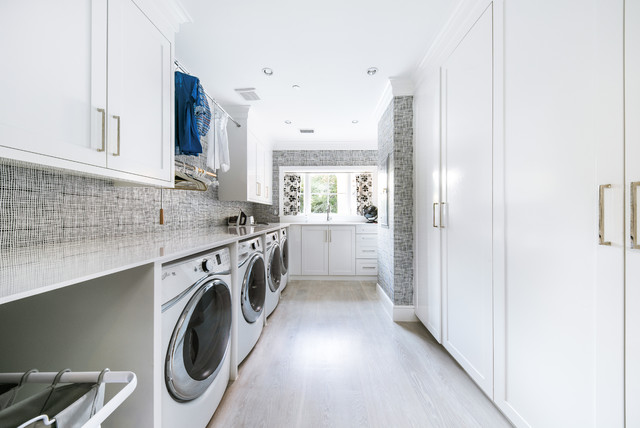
(366, 252)
(368, 240)
(366, 267)
(366, 228)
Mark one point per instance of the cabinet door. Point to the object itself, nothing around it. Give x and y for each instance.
(632, 156)
(427, 155)
(342, 250)
(261, 191)
(295, 249)
(139, 73)
(268, 175)
(468, 139)
(315, 250)
(53, 80)
(253, 192)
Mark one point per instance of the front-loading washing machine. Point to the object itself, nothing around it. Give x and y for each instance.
(251, 290)
(284, 252)
(196, 319)
(273, 259)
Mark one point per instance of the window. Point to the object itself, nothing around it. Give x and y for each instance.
(310, 192)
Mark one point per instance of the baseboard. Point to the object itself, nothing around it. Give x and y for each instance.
(397, 313)
(331, 278)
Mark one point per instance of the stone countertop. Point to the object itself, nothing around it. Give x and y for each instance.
(29, 271)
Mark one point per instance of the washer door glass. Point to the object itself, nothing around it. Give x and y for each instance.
(254, 288)
(199, 342)
(275, 273)
(285, 256)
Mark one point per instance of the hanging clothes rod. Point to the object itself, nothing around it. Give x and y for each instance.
(196, 169)
(184, 70)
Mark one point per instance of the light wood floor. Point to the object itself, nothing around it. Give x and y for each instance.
(331, 357)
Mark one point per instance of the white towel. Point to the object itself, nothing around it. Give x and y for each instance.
(218, 149)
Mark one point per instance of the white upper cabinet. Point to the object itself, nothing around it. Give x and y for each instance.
(249, 178)
(56, 110)
(139, 98)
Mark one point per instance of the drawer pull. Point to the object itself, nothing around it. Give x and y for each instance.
(369, 267)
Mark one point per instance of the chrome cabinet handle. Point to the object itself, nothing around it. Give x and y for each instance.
(368, 267)
(258, 190)
(601, 240)
(441, 207)
(329, 235)
(104, 118)
(634, 215)
(434, 214)
(117, 153)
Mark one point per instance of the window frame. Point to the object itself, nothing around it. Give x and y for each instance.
(307, 170)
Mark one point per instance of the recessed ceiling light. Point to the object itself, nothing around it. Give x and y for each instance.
(354, 121)
(267, 71)
(296, 87)
(371, 71)
(288, 122)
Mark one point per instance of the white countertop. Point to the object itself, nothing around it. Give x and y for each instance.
(33, 270)
(331, 223)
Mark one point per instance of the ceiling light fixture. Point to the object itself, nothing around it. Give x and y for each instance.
(267, 71)
(288, 122)
(296, 87)
(372, 71)
(354, 121)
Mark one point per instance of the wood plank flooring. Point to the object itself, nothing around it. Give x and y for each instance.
(331, 357)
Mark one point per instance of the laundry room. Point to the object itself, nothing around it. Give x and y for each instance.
(294, 214)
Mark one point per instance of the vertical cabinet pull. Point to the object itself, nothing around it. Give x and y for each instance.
(104, 118)
(329, 235)
(434, 215)
(601, 240)
(634, 215)
(258, 189)
(441, 207)
(117, 153)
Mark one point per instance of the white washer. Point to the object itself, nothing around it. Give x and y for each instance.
(284, 252)
(251, 290)
(273, 259)
(196, 336)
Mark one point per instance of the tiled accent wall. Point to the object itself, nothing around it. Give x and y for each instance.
(385, 234)
(310, 158)
(395, 244)
(40, 205)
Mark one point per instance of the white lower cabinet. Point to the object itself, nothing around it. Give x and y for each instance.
(328, 250)
(295, 250)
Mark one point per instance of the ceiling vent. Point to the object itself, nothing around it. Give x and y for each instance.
(248, 94)
(307, 131)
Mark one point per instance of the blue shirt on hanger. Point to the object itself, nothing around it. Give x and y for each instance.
(187, 137)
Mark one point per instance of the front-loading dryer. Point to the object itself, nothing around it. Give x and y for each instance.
(273, 259)
(251, 290)
(196, 320)
(284, 251)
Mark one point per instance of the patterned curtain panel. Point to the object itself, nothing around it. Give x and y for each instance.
(364, 191)
(291, 205)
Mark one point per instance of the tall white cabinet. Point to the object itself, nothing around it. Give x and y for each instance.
(89, 91)
(520, 268)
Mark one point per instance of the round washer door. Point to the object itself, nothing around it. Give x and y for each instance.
(199, 342)
(254, 289)
(275, 272)
(285, 255)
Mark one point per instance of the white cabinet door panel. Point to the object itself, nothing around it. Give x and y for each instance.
(342, 250)
(139, 94)
(427, 187)
(315, 250)
(295, 250)
(468, 138)
(50, 101)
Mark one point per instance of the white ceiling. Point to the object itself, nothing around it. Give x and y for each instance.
(325, 46)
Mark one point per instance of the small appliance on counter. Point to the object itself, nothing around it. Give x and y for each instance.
(238, 220)
(370, 213)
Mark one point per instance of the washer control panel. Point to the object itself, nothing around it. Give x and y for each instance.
(219, 261)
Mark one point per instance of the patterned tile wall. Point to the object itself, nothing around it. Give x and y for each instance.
(385, 235)
(403, 200)
(395, 244)
(40, 205)
(310, 158)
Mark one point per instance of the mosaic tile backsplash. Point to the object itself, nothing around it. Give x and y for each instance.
(40, 206)
(395, 244)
